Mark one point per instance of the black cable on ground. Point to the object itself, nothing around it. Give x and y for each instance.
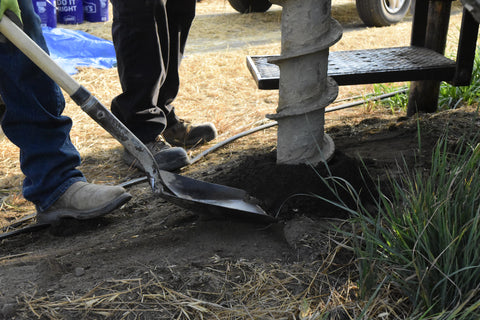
(266, 126)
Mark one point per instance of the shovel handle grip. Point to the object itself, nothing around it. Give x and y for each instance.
(16, 35)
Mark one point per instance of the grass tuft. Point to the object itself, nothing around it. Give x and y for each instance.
(452, 97)
(423, 240)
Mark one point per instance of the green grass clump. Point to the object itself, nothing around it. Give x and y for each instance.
(397, 102)
(451, 97)
(424, 241)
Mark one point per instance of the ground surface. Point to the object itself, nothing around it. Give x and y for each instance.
(155, 260)
(153, 239)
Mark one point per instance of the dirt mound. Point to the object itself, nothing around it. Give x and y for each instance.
(286, 190)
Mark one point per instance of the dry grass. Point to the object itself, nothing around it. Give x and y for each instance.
(263, 292)
(222, 289)
(226, 289)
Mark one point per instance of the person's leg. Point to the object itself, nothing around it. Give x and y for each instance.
(33, 122)
(180, 15)
(140, 66)
(179, 132)
(140, 37)
(149, 44)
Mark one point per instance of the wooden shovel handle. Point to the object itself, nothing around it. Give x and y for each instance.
(16, 35)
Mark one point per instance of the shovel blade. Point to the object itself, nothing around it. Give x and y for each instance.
(214, 198)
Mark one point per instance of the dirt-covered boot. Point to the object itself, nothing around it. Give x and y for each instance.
(168, 158)
(184, 134)
(83, 201)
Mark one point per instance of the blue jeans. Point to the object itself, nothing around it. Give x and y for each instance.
(33, 120)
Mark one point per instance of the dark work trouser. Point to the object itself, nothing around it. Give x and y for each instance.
(149, 43)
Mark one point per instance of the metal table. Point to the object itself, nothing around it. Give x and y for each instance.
(422, 61)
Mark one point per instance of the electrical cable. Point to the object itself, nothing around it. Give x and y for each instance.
(266, 126)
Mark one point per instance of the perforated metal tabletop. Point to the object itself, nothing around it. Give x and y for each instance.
(367, 66)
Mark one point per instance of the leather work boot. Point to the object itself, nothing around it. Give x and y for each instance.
(184, 134)
(84, 201)
(168, 158)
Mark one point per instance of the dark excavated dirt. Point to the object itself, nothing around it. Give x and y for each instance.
(285, 190)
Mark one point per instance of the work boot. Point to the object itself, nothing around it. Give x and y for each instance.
(168, 158)
(83, 201)
(184, 134)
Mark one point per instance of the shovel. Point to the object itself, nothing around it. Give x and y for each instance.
(186, 192)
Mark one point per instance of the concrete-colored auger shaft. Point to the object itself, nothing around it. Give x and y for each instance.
(308, 30)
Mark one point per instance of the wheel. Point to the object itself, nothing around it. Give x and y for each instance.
(381, 13)
(246, 6)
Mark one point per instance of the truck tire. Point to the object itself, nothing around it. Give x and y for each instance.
(247, 6)
(381, 13)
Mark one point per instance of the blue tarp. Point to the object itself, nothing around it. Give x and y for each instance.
(73, 48)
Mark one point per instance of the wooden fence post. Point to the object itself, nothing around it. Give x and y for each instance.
(423, 95)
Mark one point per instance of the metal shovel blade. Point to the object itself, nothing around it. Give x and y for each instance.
(218, 199)
(186, 192)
